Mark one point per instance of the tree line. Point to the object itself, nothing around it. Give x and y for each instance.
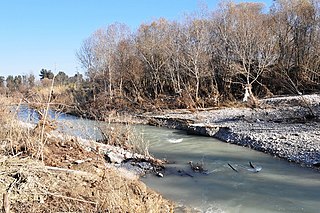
(24, 83)
(235, 52)
(19, 83)
(238, 51)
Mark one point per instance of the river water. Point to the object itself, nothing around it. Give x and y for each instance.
(280, 186)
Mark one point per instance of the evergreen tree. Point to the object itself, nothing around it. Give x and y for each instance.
(31, 80)
(2, 80)
(61, 78)
(46, 74)
(10, 83)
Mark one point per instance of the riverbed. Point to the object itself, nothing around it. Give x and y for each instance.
(279, 186)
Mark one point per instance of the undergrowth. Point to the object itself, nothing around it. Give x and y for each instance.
(125, 136)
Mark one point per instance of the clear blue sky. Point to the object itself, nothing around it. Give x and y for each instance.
(36, 34)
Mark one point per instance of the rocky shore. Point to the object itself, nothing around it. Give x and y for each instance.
(285, 127)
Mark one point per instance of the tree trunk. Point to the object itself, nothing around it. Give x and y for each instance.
(247, 93)
(249, 97)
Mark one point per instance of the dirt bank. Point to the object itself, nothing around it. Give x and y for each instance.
(44, 171)
(72, 178)
(286, 127)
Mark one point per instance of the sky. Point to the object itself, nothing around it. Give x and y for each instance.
(36, 34)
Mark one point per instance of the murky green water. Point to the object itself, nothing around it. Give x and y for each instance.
(279, 187)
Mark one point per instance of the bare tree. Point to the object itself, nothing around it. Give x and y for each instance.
(297, 29)
(247, 42)
(129, 70)
(173, 66)
(152, 41)
(97, 53)
(86, 56)
(194, 54)
(236, 53)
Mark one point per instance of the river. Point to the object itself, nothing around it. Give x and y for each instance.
(280, 186)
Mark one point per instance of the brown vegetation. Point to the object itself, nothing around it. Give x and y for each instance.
(33, 187)
(124, 136)
(238, 51)
(45, 174)
(235, 52)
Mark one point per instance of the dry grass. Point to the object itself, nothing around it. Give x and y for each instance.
(60, 97)
(233, 104)
(41, 174)
(37, 188)
(125, 136)
(14, 138)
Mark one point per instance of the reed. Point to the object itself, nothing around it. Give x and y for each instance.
(35, 188)
(124, 135)
(39, 174)
(16, 137)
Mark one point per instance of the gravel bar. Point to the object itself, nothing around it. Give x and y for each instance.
(286, 127)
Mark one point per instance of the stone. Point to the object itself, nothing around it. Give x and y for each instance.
(159, 174)
(113, 157)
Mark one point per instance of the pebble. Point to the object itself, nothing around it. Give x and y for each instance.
(297, 142)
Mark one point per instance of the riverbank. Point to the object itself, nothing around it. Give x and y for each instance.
(45, 171)
(73, 176)
(285, 127)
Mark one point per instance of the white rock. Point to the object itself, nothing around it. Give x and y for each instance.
(115, 157)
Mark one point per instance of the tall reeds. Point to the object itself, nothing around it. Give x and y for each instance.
(125, 136)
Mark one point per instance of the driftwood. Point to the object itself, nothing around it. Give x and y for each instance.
(197, 167)
(76, 172)
(70, 198)
(6, 203)
(232, 167)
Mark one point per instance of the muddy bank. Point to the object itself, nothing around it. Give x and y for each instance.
(285, 127)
